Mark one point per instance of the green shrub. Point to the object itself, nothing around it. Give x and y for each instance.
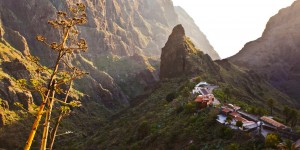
(225, 132)
(143, 130)
(233, 146)
(185, 92)
(179, 109)
(190, 107)
(239, 124)
(192, 147)
(171, 96)
(272, 140)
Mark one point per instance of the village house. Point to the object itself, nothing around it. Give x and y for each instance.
(201, 88)
(277, 125)
(204, 101)
(236, 117)
(226, 111)
(234, 107)
(234, 114)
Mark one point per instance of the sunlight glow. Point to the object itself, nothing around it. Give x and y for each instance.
(230, 24)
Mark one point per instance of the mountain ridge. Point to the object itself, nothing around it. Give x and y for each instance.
(275, 54)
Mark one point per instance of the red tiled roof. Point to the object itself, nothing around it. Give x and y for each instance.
(226, 110)
(199, 98)
(272, 122)
(234, 114)
(241, 119)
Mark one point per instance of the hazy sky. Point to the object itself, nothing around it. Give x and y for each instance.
(229, 24)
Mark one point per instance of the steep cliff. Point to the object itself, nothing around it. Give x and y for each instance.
(276, 54)
(115, 29)
(14, 66)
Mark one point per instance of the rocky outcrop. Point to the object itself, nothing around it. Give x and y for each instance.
(276, 54)
(177, 54)
(16, 69)
(11, 94)
(100, 86)
(16, 40)
(174, 54)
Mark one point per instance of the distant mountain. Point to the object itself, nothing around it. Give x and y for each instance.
(116, 29)
(276, 53)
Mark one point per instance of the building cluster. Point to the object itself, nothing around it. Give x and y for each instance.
(250, 122)
(204, 98)
(232, 111)
(232, 115)
(273, 124)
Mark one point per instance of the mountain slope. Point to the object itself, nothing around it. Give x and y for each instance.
(116, 29)
(156, 123)
(276, 54)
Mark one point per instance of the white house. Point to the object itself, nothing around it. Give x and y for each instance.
(202, 84)
(200, 88)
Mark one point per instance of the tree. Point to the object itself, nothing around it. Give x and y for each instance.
(272, 140)
(260, 111)
(291, 116)
(239, 124)
(186, 92)
(233, 146)
(65, 48)
(294, 117)
(288, 144)
(227, 92)
(228, 120)
(286, 113)
(171, 96)
(271, 103)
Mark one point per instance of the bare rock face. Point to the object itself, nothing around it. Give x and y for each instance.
(16, 69)
(276, 54)
(11, 94)
(17, 41)
(174, 57)
(173, 63)
(115, 27)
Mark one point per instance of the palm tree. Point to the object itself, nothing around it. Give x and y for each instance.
(271, 103)
(239, 124)
(293, 117)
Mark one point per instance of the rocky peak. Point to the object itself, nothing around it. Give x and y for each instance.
(174, 54)
(178, 32)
